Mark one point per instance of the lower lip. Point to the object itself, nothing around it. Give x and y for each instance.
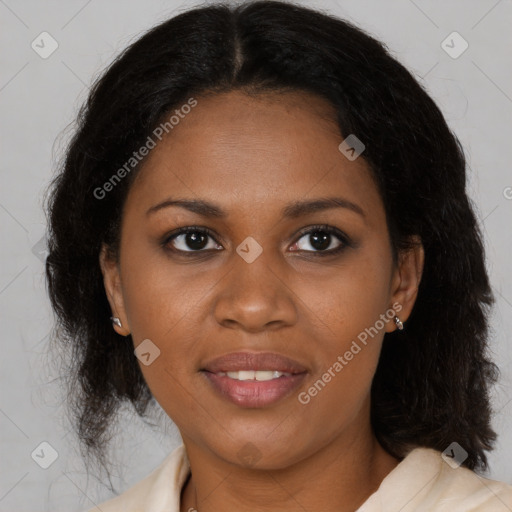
(253, 393)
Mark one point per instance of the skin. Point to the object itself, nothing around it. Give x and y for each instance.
(253, 155)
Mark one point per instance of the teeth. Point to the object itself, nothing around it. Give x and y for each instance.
(259, 375)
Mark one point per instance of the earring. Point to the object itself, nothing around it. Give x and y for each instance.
(399, 324)
(116, 321)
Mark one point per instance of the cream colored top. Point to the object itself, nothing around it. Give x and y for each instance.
(421, 482)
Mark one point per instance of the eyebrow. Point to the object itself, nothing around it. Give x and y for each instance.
(290, 211)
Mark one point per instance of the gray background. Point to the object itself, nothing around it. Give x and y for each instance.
(39, 99)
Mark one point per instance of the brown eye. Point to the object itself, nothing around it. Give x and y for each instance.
(321, 239)
(191, 239)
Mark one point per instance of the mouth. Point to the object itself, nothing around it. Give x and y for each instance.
(259, 375)
(253, 380)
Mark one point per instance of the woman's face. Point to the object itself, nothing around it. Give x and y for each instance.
(267, 278)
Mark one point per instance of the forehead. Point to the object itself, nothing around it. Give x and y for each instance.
(247, 151)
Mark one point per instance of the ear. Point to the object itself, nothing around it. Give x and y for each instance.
(112, 282)
(406, 281)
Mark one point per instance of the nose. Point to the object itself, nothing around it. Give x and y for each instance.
(255, 297)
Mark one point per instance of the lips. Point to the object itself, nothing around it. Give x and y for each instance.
(242, 378)
(250, 361)
(252, 393)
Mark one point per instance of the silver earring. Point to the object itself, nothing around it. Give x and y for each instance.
(399, 324)
(116, 321)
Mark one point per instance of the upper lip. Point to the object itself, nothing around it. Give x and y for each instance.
(238, 361)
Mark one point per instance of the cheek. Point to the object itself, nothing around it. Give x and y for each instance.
(163, 307)
(163, 302)
(349, 297)
(348, 307)
(347, 346)
(160, 296)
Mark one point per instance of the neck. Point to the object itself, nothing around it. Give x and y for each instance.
(338, 477)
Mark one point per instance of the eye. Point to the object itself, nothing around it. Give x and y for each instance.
(322, 240)
(191, 239)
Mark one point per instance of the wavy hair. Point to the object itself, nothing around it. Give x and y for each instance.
(433, 380)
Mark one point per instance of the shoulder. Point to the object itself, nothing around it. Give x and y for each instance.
(425, 480)
(456, 488)
(160, 490)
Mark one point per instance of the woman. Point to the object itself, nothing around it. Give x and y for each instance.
(262, 225)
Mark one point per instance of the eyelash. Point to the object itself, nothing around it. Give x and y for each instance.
(342, 237)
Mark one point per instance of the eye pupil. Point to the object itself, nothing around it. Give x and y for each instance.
(196, 240)
(320, 240)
